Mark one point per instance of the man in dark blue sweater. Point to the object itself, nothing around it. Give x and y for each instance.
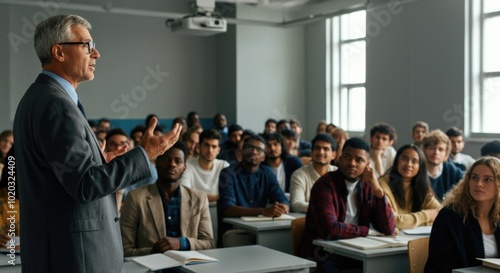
(442, 174)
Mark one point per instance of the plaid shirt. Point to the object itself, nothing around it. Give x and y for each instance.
(327, 212)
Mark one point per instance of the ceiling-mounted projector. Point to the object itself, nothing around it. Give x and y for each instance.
(198, 24)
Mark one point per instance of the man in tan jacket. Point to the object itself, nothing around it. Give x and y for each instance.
(165, 215)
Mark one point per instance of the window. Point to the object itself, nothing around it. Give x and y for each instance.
(346, 62)
(485, 68)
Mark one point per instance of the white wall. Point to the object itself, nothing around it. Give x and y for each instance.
(270, 73)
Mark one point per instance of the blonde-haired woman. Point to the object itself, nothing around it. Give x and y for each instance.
(467, 226)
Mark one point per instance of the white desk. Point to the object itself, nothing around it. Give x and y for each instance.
(243, 259)
(475, 269)
(387, 260)
(250, 259)
(272, 234)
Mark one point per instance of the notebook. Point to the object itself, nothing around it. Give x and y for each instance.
(172, 258)
(266, 218)
(374, 242)
(491, 262)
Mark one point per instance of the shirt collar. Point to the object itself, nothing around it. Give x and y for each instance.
(65, 84)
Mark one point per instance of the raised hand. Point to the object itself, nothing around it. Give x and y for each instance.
(157, 145)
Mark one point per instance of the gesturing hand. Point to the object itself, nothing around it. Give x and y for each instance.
(157, 145)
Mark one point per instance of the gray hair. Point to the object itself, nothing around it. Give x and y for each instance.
(53, 30)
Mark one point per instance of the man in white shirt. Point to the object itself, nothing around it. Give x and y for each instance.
(323, 152)
(462, 161)
(202, 173)
(382, 154)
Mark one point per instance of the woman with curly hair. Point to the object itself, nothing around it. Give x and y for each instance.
(408, 189)
(466, 228)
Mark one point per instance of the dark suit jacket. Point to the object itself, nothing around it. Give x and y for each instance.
(68, 206)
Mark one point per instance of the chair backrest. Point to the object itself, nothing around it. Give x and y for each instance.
(418, 251)
(297, 229)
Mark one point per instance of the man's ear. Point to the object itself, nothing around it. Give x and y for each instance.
(57, 53)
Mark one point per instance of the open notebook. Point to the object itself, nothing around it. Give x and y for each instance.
(373, 242)
(266, 218)
(172, 258)
(491, 262)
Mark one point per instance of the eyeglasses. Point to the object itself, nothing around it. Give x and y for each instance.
(90, 45)
(250, 148)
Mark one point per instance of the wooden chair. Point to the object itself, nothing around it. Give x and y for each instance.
(305, 159)
(418, 251)
(297, 229)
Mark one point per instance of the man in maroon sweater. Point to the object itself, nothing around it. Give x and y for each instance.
(342, 205)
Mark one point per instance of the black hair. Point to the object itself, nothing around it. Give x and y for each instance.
(276, 136)
(492, 147)
(357, 143)
(181, 146)
(288, 133)
(326, 138)
(454, 132)
(209, 134)
(256, 137)
(138, 128)
(116, 131)
(233, 128)
(384, 128)
(271, 120)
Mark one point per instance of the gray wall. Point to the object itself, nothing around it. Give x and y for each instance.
(5, 104)
(416, 66)
(316, 99)
(143, 67)
(270, 76)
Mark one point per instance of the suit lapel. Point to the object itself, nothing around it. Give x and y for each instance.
(185, 211)
(156, 208)
(42, 78)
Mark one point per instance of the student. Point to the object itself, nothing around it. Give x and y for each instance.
(248, 189)
(491, 148)
(442, 174)
(468, 226)
(419, 130)
(202, 173)
(165, 215)
(382, 137)
(302, 180)
(340, 136)
(462, 161)
(303, 146)
(220, 123)
(278, 159)
(408, 189)
(321, 127)
(270, 126)
(343, 204)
